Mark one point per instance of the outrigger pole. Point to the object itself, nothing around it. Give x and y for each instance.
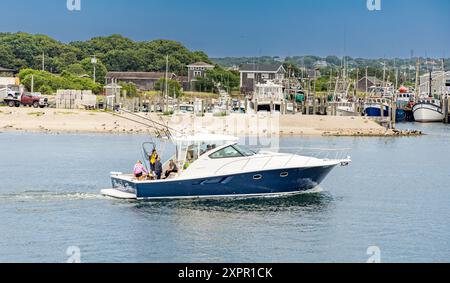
(153, 121)
(156, 126)
(165, 128)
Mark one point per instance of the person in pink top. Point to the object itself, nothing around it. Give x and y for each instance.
(139, 170)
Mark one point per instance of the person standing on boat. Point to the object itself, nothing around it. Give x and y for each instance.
(139, 171)
(152, 160)
(158, 168)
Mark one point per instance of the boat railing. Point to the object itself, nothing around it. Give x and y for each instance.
(343, 104)
(321, 153)
(309, 153)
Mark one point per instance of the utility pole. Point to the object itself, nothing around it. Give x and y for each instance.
(43, 61)
(443, 77)
(315, 92)
(396, 78)
(94, 62)
(367, 80)
(356, 83)
(167, 83)
(330, 85)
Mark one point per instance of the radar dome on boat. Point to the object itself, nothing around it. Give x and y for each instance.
(403, 89)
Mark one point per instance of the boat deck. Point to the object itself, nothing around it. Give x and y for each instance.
(131, 178)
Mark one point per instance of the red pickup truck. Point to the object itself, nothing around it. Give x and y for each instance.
(26, 99)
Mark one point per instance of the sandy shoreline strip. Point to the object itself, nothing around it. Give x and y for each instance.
(79, 121)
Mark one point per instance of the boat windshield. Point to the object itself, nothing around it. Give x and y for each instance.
(244, 150)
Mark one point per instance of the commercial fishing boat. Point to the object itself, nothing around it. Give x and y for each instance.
(428, 110)
(374, 107)
(346, 108)
(268, 97)
(212, 166)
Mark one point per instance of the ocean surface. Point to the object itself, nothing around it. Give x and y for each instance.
(394, 199)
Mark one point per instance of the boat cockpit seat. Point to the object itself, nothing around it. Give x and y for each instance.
(172, 176)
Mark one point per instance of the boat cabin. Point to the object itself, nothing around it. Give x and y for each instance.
(381, 91)
(185, 108)
(406, 96)
(268, 97)
(378, 101)
(190, 148)
(430, 100)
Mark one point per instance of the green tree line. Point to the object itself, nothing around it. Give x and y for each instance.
(114, 53)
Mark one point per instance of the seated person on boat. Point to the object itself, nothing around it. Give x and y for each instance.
(140, 172)
(172, 169)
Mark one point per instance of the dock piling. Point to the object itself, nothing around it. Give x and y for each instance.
(446, 112)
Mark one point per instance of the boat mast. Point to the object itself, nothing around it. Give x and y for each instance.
(443, 78)
(367, 80)
(417, 79)
(430, 84)
(396, 75)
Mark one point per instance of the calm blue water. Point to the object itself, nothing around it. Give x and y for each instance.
(395, 195)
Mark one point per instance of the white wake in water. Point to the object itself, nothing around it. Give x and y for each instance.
(36, 196)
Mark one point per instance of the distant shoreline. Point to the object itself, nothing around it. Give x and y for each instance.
(56, 121)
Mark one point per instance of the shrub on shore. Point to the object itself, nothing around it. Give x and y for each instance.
(48, 83)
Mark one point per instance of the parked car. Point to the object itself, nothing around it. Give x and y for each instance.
(27, 99)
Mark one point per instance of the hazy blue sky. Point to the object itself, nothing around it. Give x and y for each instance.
(248, 27)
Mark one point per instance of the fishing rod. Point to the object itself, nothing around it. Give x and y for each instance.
(163, 131)
(153, 121)
(137, 122)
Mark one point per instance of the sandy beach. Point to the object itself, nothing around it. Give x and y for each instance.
(79, 121)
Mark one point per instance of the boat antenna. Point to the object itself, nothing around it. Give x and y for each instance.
(417, 79)
(431, 82)
(443, 78)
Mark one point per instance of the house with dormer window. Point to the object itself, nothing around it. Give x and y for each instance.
(253, 74)
(198, 70)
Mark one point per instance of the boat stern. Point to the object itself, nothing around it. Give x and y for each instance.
(123, 187)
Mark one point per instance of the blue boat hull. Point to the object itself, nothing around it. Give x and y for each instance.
(376, 112)
(400, 115)
(271, 182)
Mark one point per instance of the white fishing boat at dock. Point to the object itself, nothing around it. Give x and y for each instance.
(268, 96)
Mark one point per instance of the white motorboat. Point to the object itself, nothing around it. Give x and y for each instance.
(213, 166)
